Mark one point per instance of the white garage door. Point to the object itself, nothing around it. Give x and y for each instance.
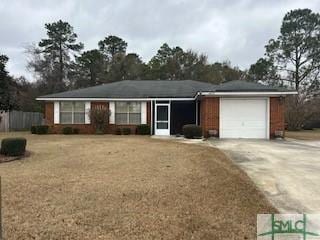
(243, 118)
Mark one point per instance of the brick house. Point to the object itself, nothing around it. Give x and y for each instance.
(235, 109)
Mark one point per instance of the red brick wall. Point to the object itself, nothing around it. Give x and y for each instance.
(209, 117)
(149, 113)
(88, 128)
(48, 113)
(277, 122)
(209, 114)
(97, 104)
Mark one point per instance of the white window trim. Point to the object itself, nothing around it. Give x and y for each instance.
(56, 112)
(72, 113)
(112, 115)
(87, 108)
(128, 113)
(143, 112)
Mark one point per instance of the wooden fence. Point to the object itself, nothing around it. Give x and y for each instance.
(19, 121)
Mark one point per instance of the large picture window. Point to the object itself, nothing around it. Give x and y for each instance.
(72, 112)
(128, 112)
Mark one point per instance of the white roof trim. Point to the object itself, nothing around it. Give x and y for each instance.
(246, 93)
(114, 99)
(173, 99)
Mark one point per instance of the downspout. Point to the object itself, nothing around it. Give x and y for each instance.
(8, 123)
(197, 107)
(197, 112)
(169, 118)
(151, 117)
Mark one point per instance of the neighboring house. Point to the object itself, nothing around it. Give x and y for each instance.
(235, 109)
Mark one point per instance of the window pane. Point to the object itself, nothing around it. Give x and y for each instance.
(78, 118)
(134, 107)
(121, 107)
(79, 106)
(162, 113)
(162, 125)
(66, 117)
(134, 118)
(66, 106)
(121, 118)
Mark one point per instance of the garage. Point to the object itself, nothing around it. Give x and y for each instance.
(244, 118)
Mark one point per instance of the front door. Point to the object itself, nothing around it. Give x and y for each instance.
(162, 119)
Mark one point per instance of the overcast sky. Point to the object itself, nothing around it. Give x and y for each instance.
(234, 30)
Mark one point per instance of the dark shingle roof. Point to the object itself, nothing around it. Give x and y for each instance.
(160, 89)
(139, 89)
(243, 86)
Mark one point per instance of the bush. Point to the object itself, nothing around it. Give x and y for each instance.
(118, 131)
(192, 131)
(13, 146)
(126, 131)
(75, 130)
(67, 130)
(33, 129)
(143, 129)
(99, 116)
(41, 129)
(311, 124)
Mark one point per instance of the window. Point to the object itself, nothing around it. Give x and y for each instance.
(128, 113)
(72, 112)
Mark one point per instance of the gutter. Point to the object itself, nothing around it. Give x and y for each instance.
(114, 99)
(173, 99)
(248, 93)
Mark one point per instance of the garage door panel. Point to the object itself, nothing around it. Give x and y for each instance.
(254, 124)
(231, 123)
(243, 118)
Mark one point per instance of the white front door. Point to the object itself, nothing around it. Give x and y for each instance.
(162, 119)
(244, 118)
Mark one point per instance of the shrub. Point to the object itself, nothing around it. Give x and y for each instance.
(99, 116)
(13, 146)
(67, 130)
(143, 129)
(192, 131)
(33, 129)
(118, 131)
(42, 129)
(75, 130)
(126, 131)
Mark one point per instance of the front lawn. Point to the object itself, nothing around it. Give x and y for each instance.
(126, 187)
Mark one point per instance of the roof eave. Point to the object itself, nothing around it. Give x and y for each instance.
(250, 93)
(115, 99)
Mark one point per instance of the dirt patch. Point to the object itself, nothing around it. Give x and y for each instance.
(127, 187)
(304, 134)
(4, 158)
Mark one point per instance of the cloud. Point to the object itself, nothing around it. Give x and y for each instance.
(234, 30)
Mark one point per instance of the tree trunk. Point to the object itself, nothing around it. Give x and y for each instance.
(61, 66)
(92, 77)
(297, 65)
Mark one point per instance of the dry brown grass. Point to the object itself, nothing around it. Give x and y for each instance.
(126, 187)
(304, 134)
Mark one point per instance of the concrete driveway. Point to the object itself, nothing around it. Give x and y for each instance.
(288, 172)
